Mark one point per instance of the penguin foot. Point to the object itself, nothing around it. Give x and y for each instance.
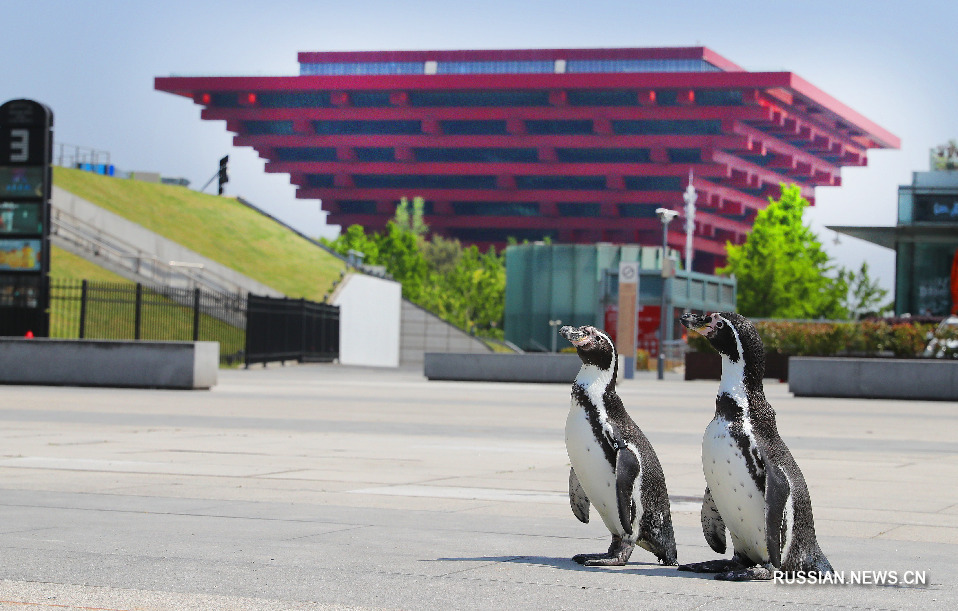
(713, 566)
(752, 573)
(618, 554)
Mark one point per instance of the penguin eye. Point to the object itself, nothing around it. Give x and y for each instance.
(720, 324)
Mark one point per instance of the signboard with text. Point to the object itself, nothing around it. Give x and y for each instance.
(26, 147)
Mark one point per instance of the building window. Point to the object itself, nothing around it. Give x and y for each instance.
(640, 65)
(653, 183)
(603, 98)
(473, 128)
(375, 153)
(421, 181)
(667, 97)
(427, 206)
(367, 127)
(590, 210)
(578, 183)
(370, 99)
(657, 127)
(557, 127)
(471, 234)
(305, 153)
(256, 128)
(496, 208)
(603, 155)
(477, 155)
(293, 99)
(345, 68)
(224, 100)
(685, 155)
(496, 67)
(320, 181)
(478, 98)
(637, 211)
(718, 97)
(357, 206)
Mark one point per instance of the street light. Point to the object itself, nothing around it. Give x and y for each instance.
(665, 215)
(555, 331)
(689, 196)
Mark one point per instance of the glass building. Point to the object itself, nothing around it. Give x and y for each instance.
(574, 145)
(925, 242)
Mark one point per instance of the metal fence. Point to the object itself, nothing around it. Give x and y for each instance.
(290, 330)
(249, 328)
(81, 309)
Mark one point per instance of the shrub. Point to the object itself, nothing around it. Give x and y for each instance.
(869, 337)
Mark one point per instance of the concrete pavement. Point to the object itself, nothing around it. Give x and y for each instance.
(327, 487)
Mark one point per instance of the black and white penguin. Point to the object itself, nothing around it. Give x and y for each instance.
(613, 464)
(754, 486)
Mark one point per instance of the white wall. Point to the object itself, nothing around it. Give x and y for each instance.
(369, 318)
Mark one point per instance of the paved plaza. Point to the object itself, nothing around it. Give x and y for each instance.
(327, 487)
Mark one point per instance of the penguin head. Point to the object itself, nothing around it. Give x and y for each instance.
(733, 336)
(593, 346)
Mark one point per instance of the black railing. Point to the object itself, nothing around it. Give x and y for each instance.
(81, 309)
(249, 329)
(290, 330)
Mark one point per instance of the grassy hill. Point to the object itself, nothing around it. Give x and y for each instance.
(219, 228)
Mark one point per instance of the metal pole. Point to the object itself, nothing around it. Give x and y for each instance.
(138, 310)
(665, 215)
(83, 297)
(689, 196)
(662, 305)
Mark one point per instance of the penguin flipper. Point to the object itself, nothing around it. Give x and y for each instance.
(777, 491)
(713, 527)
(577, 498)
(626, 472)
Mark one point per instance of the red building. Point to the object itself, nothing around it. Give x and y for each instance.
(580, 145)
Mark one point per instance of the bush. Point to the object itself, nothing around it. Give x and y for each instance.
(869, 337)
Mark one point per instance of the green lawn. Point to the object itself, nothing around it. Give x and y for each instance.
(220, 228)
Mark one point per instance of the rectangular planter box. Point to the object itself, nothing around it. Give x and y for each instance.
(708, 366)
(875, 378)
(79, 362)
(558, 368)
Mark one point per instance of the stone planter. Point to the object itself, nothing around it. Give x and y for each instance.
(874, 378)
(708, 366)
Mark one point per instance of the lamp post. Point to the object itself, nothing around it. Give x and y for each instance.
(665, 215)
(689, 196)
(555, 332)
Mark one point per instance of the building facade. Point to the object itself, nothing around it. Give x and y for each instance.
(574, 145)
(925, 241)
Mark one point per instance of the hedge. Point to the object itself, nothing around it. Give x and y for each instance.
(869, 338)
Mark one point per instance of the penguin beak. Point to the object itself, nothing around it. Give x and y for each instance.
(699, 323)
(576, 336)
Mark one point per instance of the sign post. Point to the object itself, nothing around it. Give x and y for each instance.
(625, 331)
(26, 149)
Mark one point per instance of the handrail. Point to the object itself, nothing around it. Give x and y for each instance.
(174, 274)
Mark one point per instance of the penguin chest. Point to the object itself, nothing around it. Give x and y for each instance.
(737, 497)
(593, 469)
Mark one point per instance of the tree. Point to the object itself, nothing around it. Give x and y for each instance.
(411, 221)
(864, 295)
(781, 269)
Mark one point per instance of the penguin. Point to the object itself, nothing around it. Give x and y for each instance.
(614, 467)
(754, 487)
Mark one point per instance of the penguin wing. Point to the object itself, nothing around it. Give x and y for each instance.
(577, 498)
(712, 524)
(777, 491)
(626, 472)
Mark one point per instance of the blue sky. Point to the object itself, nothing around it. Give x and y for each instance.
(94, 62)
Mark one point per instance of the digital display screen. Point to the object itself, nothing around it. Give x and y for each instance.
(25, 181)
(21, 217)
(20, 255)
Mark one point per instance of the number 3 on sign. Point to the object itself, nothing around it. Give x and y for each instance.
(19, 145)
